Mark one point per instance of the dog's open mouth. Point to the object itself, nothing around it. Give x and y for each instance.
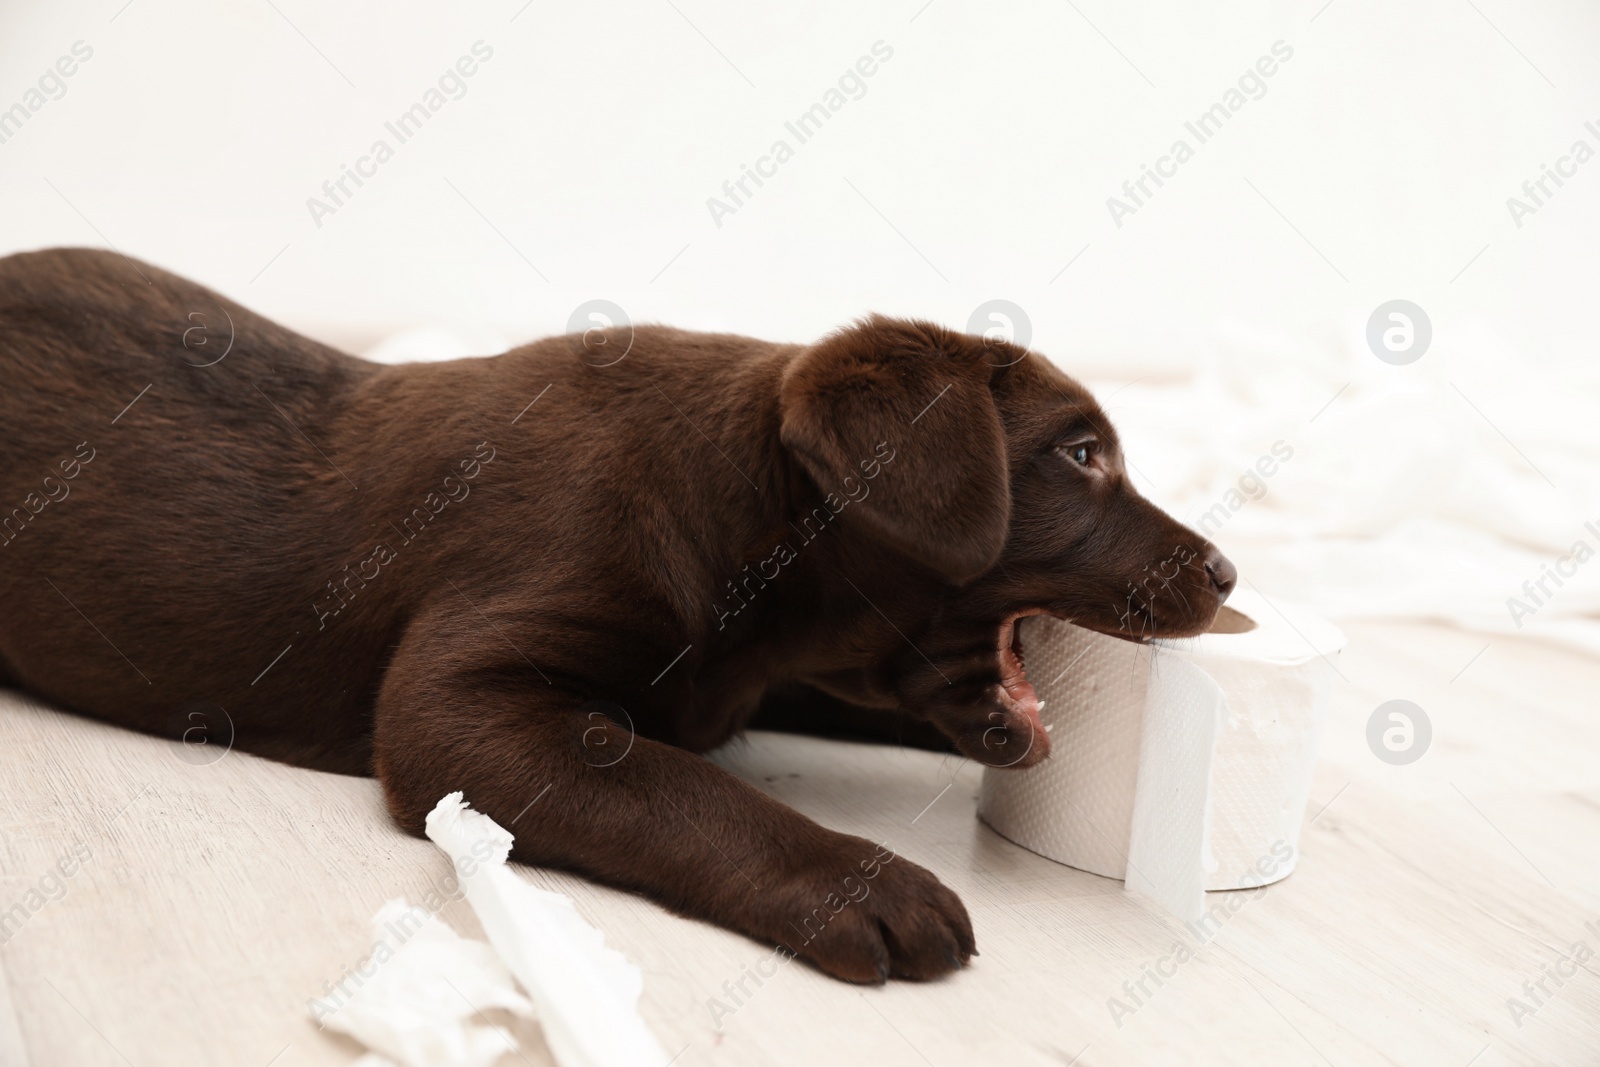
(1017, 694)
(1013, 666)
(1016, 691)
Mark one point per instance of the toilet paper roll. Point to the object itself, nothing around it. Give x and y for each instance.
(1178, 766)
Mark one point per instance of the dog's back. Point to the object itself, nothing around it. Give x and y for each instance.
(134, 406)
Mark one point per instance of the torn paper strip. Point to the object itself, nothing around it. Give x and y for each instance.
(418, 998)
(586, 995)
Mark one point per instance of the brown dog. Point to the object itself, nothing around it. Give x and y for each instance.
(549, 578)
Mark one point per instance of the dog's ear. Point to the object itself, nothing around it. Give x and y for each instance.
(920, 394)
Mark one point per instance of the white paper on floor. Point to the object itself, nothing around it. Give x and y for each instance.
(418, 999)
(1459, 488)
(419, 1005)
(587, 995)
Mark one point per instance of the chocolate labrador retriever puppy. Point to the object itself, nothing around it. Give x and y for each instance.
(552, 577)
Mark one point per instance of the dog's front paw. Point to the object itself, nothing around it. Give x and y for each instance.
(862, 913)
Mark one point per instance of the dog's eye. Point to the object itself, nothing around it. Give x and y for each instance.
(1080, 453)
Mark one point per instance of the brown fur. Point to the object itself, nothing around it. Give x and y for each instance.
(612, 581)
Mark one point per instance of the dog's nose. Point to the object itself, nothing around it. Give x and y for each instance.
(1224, 575)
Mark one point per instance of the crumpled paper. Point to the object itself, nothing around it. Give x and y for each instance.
(587, 995)
(418, 996)
(418, 999)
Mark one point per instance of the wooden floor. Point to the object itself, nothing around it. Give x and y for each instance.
(208, 904)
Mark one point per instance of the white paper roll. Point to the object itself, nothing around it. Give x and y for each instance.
(1178, 766)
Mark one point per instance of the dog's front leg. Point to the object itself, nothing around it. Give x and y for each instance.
(460, 708)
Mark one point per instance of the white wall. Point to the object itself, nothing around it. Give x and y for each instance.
(991, 140)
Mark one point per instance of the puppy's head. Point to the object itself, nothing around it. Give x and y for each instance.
(1009, 485)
